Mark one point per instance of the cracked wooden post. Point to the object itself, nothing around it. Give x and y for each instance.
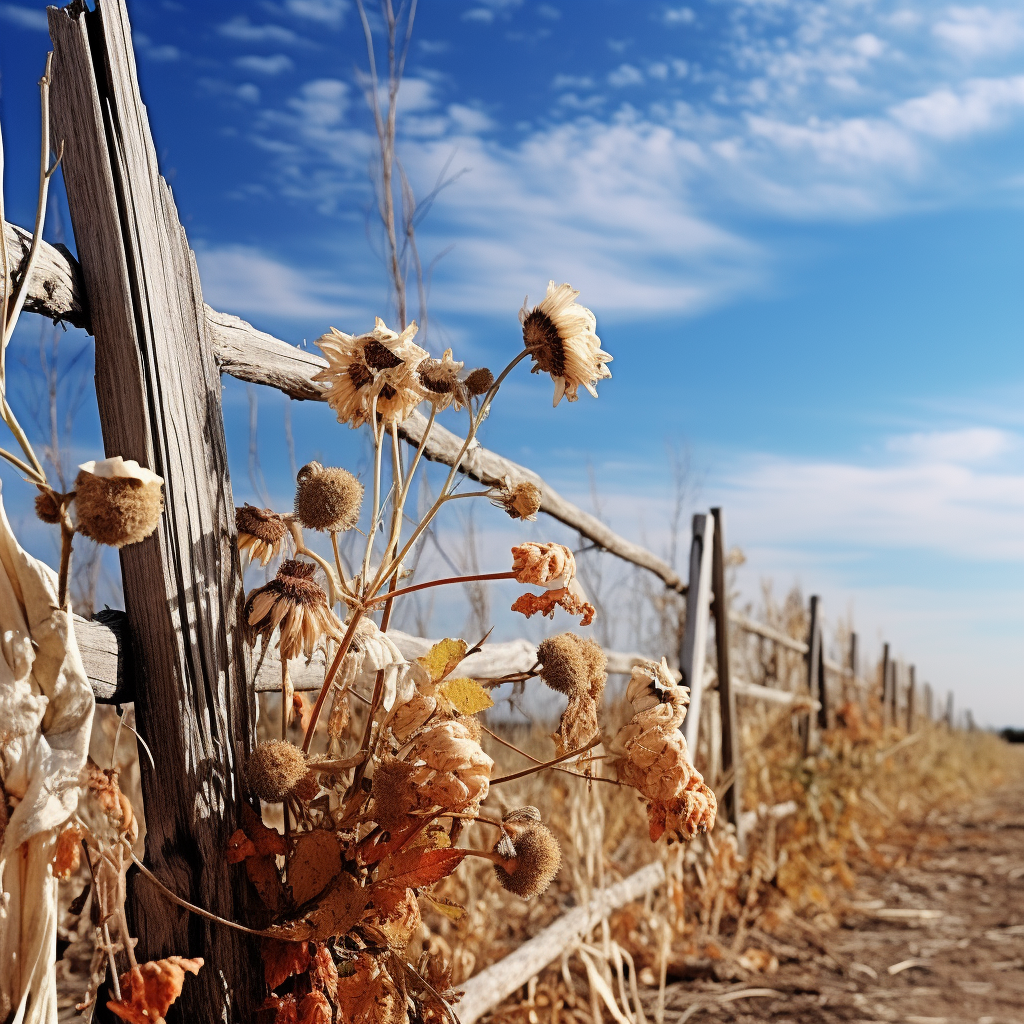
(886, 672)
(812, 724)
(158, 390)
(732, 755)
(695, 637)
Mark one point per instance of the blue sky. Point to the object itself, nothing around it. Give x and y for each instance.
(799, 225)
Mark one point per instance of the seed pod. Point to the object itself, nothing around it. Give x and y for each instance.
(274, 769)
(535, 858)
(48, 507)
(117, 501)
(327, 498)
(479, 382)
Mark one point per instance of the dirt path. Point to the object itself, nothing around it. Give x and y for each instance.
(938, 940)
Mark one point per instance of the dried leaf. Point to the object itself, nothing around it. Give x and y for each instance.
(314, 1009)
(314, 862)
(68, 853)
(239, 847)
(392, 917)
(266, 880)
(452, 910)
(334, 913)
(414, 868)
(285, 1007)
(283, 959)
(368, 995)
(443, 658)
(465, 695)
(323, 974)
(148, 991)
(266, 840)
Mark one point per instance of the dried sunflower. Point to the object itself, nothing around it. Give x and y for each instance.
(380, 363)
(294, 601)
(562, 338)
(261, 533)
(441, 383)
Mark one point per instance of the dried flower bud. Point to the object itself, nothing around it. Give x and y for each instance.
(440, 380)
(520, 502)
(48, 506)
(544, 565)
(117, 501)
(571, 665)
(261, 532)
(327, 498)
(274, 769)
(535, 855)
(479, 382)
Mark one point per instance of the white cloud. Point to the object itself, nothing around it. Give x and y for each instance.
(330, 12)
(679, 16)
(242, 29)
(273, 65)
(24, 17)
(548, 11)
(469, 119)
(322, 102)
(250, 283)
(980, 105)
(481, 14)
(163, 52)
(572, 82)
(625, 74)
(975, 32)
(968, 446)
(248, 92)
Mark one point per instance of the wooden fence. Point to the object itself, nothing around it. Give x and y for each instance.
(177, 652)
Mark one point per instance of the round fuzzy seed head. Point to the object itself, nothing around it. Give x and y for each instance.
(523, 501)
(536, 861)
(563, 665)
(328, 498)
(479, 382)
(274, 769)
(117, 504)
(47, 507)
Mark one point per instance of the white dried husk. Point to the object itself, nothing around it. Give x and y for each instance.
(46, 711)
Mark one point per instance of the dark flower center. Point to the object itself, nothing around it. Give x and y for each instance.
(379, 357)
(541, 336)
(359, 375)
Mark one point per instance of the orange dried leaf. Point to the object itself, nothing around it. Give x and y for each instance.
(419, 866)
(323, 974)
(239, 847)
(334, 913)
(283, 959)
(266, 840)
(368, 995)
(314, 1009)
(68, 854)
(314, 862)
(148, 991)
(266, 880)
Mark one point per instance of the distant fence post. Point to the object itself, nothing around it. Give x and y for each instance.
(854, 666)
(896, 669)
(929, 704)
(815, 680)
(732, 757)
(884, 695)
(695, 637)
(911, 697)
(949, 711)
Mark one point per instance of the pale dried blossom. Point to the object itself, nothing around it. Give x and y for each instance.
(570, 598)
(261, 533)
(296, 603)
(441, 383)
(654, 758)
(543, 565)
(520, 501)
(327, 498)
(577, 668)
(117, 501)
(379, 364)
(562, 338)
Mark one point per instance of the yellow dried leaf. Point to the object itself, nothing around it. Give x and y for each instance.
(467, 696)
(443, 657)
(452, 910)
(315, 860)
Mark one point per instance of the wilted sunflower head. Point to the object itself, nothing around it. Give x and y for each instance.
(296, 603)
(561, 335)
(380, 364)
(478, 382)
(521, 501)
(441, 383)
(261, 532)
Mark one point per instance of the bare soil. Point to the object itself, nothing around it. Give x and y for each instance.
(952, 952)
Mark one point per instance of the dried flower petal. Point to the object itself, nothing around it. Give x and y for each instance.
(569, 598)
(261, 532)
(148, 991)
(544, 565)
(440, 380)
(562, 338)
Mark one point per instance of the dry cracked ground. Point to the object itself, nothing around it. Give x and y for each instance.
(938, 940)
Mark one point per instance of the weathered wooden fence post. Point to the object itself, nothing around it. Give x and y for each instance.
(949, 711)
(884, 694)
(815, 681)
(929, 704)
(732, 756)
(158, 390)
(911, 697)
(854, 664)
(695, 636)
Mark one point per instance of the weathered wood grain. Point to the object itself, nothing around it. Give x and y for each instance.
(55, 288)
(158, 391)
(693, 649)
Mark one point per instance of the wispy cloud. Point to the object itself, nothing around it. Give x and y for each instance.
(273, 65)
(243, 30)
(974, 32)
(24, 17)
